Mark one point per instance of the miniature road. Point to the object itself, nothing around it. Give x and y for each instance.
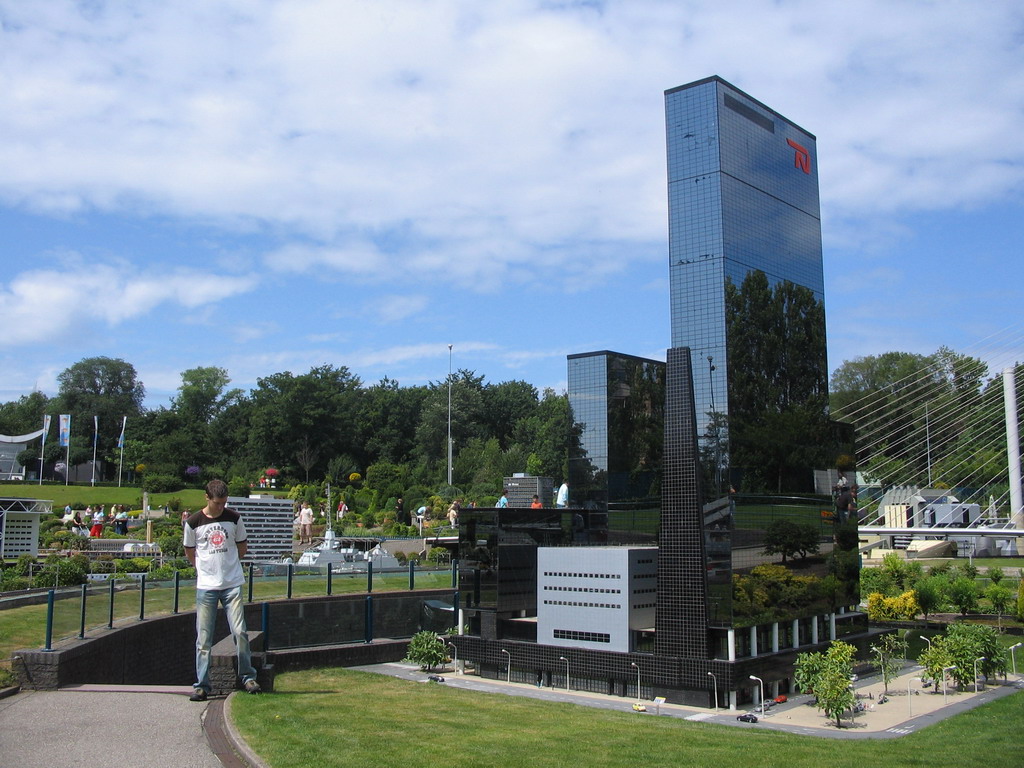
(900, 715)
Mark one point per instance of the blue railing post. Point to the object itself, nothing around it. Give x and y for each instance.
(368, 626)
(455, 572)
(265, 622)
(455, 611)
(412, 575)
(142, 597)
(110, 607)
(177, 588)
(252, 574)
(49, 620)
(369, 576)
(329, 574)
(291, 570)
(85, 592)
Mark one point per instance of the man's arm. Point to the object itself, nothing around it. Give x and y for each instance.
(243, 547)
(190, 554)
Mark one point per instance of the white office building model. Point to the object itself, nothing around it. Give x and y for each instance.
(595, 597)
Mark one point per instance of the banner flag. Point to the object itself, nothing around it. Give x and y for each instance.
(95, 431)
(65, 430)
(120, 440)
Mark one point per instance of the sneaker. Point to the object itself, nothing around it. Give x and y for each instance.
(251, 686)
(198, 694)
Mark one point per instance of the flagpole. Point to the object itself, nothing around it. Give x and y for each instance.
(42, 448)
(120, 445)
(95, 440)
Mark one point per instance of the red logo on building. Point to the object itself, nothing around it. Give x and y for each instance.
(801, 157)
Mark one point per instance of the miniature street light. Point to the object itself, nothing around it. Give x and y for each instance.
(562, 658)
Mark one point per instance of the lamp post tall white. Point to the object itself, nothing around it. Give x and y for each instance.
(508, 677)
(910, 698)
(980, 658)
(449, 415)
(714, 680)
(634, 664)
(562, 658)
(1013, 656)
(944, 671)
(761, 700)
(455, 657)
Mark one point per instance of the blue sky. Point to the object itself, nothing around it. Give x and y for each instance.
(271, 186)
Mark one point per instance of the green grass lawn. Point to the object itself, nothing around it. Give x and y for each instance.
(337, 717)
(61, 495)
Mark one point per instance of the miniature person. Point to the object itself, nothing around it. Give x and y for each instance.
(305, 524)
(215, 542)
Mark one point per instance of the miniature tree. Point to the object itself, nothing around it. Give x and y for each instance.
(426, 649)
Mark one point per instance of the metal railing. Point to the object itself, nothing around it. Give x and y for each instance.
(73, 611)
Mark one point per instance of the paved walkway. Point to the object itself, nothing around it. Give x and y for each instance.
(98, 726)
(901, 715)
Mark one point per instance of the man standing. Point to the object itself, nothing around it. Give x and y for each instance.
(215, 542)
(562, 500)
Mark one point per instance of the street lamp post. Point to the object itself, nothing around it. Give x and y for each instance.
(634, 664)
(449, 415)
(455, 657)
(562, 658)
(1013, 656)
(714, 680)
(763, 711)
(910, 698)
(508, 677)
(980, 658)
(927, 640)
(944, 671)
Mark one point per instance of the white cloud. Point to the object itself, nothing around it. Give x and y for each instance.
(45, 305)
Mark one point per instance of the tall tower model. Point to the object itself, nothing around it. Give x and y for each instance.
(746, 282)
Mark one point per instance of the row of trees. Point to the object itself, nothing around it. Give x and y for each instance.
(962, 650)
(323, 424)
(900, 589)
(922, 418)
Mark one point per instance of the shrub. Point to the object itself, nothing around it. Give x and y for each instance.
(162, 484)
(995, 574)
(62, 572)
(427, 650)
(238, 486)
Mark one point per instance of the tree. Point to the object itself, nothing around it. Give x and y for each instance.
(929, 594)
(427, 649)
(887, 657)
(828, 676)
(1000, 598)
(963, 593)
(102, 387)
(787, 538)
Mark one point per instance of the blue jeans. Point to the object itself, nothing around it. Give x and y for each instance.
(207, 601)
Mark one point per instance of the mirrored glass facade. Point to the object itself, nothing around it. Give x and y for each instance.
(747, 298)
(746, 280)
(617, 404)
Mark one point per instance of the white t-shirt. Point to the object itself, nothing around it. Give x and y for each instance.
(216, 541)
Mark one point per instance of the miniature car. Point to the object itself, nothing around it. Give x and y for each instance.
(781, 699)
(746, 717)
(435, 678)
(638, 707)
